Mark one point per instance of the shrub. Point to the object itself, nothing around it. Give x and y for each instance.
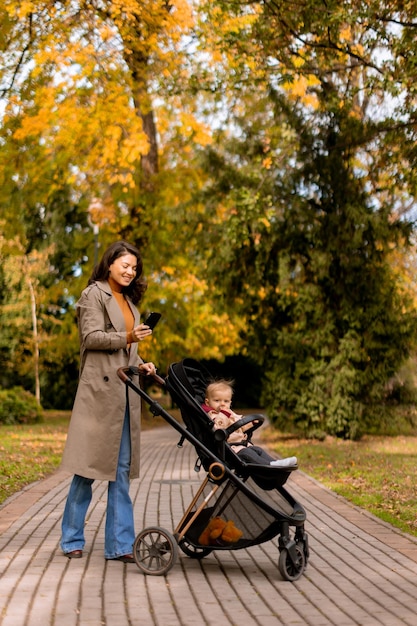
(18, 406)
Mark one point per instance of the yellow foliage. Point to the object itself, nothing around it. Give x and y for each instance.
(85, 113)
(403, 265)
(191, 127)
(298, 89)
(191, 325)
(170, 271)
(262, 293)
(265, 221)
(235, 24)
(345, 33)
(267, 163)
(298, 61)
(223, 212)
(24, 9)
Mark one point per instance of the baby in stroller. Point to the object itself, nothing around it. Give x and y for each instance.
(217, 405)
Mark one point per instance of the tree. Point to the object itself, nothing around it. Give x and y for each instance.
(312, 184)
(95, 108)
(26, 313)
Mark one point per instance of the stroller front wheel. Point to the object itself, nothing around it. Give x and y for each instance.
(289, 569)
(155, 551)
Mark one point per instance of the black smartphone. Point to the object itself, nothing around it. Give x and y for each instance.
(152, 320)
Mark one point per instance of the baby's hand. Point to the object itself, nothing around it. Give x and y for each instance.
(222, 422)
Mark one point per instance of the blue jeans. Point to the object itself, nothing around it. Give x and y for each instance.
(119, 530)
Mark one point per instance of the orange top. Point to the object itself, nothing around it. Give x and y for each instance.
(126, 310)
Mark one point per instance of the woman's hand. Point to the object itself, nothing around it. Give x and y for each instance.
(148, 369)
(140, 332)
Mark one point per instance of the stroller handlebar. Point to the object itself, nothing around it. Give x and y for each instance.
(158, 379)
(123, 373)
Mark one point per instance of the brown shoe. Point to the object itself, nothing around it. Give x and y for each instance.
(125, 558)
(74, 554)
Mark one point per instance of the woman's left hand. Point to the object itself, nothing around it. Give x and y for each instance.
(148, 369)
(140, 332)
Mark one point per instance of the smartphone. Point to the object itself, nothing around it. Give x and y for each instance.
(152, 320)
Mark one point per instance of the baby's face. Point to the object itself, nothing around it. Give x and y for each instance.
(220, 398)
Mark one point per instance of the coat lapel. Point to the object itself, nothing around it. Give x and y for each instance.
(113, 310)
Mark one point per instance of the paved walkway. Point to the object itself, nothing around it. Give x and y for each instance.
(361, 571)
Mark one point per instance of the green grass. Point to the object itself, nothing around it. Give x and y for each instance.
(30, 452)
(378, 474)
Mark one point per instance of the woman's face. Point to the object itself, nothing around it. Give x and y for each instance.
(123, 270)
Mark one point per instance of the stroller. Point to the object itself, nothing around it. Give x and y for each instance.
(237, 505)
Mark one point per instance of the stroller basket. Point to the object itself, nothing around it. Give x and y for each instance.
(231, 509)
(251, 520)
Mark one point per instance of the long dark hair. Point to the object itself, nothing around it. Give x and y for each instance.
(138, 286)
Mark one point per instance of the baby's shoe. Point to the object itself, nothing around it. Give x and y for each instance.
(288, 462)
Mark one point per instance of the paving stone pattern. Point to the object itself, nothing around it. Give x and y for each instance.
(361, 571)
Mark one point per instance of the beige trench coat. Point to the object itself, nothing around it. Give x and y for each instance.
(95, 430)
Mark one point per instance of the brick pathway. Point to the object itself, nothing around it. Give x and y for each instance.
(361, 571)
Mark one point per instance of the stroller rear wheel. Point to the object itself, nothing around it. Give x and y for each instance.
(291, 569)
(192, 551)
(155, 551)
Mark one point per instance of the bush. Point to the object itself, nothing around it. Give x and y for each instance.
(18, 406)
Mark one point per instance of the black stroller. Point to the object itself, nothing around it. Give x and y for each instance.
(238, 504)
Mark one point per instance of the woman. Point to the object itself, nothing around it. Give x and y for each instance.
(103, 437)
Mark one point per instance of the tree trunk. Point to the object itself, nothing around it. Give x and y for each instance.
(137, 63)
(35, 340)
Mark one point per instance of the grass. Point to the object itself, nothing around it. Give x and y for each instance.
(378, 474)
(30, 452)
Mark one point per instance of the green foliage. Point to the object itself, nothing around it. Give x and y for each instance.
(304, 251)
(18, 406)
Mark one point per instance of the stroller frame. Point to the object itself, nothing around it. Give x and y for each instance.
(228, 497)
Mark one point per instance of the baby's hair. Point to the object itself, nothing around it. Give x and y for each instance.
(220, 382)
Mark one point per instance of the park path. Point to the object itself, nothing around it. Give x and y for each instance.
(361, 570)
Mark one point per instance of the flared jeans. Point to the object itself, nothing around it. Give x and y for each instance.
(119, 529)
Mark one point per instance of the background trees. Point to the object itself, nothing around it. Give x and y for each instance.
(317, 199)
(260, 153)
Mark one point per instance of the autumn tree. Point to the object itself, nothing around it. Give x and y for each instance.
(98, 127)
(313, 173)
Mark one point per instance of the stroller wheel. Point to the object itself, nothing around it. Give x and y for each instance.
(155, 551)
(289, 569)
(192, 551)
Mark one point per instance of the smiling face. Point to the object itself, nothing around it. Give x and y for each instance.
(123, 270)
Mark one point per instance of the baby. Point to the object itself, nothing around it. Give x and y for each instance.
(217, 405)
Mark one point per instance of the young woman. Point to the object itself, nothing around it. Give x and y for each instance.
(103, 436)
